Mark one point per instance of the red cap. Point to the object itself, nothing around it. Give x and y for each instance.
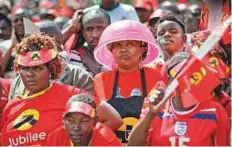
(36, 58)
(146, 4)
(80, 107)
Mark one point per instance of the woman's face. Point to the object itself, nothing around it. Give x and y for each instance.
(128, 54)
(35, 78)
(79, 127)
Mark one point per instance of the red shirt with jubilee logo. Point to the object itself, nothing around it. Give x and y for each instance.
(27, 121)
(207, 124)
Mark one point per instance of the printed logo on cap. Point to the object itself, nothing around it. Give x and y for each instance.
(35, 55)
(26, 119)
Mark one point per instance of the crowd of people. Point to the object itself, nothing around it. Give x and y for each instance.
(75, 73)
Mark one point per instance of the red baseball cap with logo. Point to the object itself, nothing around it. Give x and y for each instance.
(36, 58)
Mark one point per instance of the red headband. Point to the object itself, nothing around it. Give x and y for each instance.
(80, 107)
(35, 58)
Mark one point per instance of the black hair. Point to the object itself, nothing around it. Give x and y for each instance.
(83, 97)
(6, 19)
(96, 12)
(167, 5)
(50, 28)
(174, 19)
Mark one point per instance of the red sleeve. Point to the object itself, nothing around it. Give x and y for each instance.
(99, 89)
(6, 83)
(58, 138)
(113, 141)
(103, 136)
(223, 131)
(70, 43)
(5, 87)
(5, 112)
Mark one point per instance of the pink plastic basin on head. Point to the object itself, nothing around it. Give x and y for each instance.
(125, 30)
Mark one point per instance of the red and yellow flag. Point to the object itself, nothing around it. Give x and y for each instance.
(196, 81)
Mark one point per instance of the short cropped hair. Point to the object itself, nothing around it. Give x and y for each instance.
(83, 97)
(174, 19)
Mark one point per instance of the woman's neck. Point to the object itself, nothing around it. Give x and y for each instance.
(120, 69)
(29, 93)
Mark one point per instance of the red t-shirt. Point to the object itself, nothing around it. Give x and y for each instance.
(129, 84)
(28, 121)
(102, 136)
(205, 125)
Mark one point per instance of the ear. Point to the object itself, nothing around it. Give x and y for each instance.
(143, 49)
(184, 39)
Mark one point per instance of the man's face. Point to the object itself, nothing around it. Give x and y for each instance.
(5, 30)
(18, 26)
(79, 127)
(93, 29)
(143, 14)
(35, 78)
(173, 36)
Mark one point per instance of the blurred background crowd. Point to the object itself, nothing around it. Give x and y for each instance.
(78, 37)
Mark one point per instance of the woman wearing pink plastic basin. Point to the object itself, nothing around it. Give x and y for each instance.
(126, 47)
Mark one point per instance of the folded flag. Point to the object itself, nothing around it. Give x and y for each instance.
(196, 81)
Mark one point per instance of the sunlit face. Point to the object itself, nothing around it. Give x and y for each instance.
(79, 127)
(36, 78)
(173, 36)
(128, 54)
